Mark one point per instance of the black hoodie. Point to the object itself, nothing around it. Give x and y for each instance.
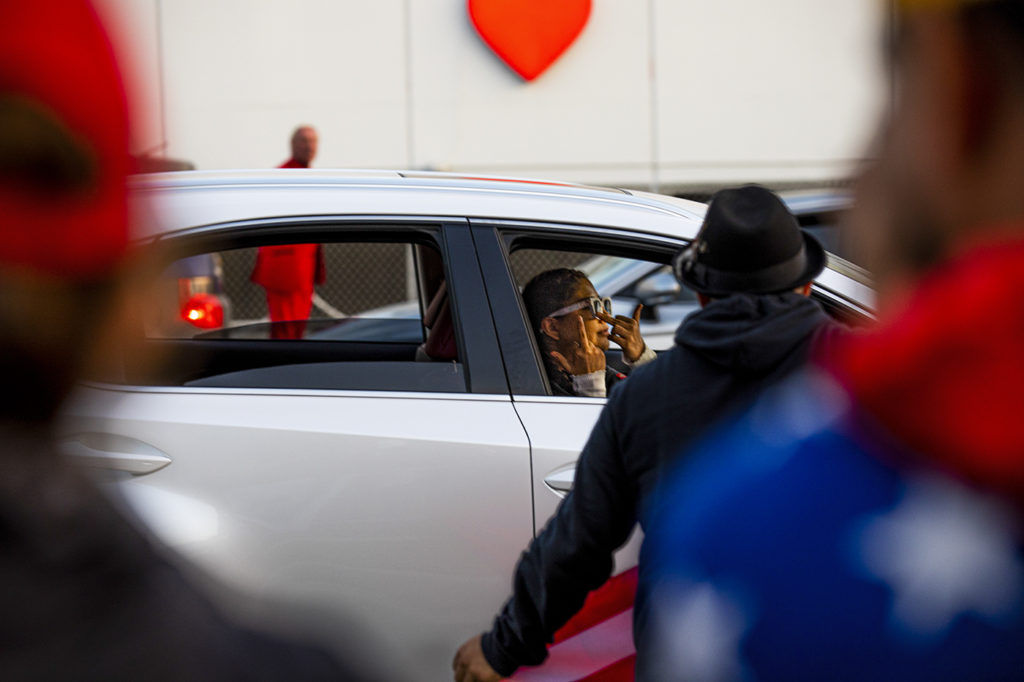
(725, 354)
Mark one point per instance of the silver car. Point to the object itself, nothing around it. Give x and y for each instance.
(385, 466)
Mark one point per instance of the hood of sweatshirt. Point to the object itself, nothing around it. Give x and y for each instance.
(744, 332)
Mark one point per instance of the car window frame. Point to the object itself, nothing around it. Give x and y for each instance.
(497, 239)
(480, 360)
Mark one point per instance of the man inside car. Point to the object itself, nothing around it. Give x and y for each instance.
(574, 327)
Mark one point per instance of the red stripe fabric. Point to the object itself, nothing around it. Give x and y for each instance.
(612, 598)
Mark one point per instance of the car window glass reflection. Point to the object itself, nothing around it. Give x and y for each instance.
(304, 315)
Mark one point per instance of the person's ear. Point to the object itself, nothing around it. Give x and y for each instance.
(805, 290)
(549, 327)
(703, 300)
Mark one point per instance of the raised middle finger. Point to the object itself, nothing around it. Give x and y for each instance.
(581, 329)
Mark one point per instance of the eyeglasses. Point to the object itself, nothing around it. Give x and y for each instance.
(596, 305)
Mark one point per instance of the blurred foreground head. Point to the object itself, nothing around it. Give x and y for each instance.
(943, 210)
(63, 208)
(866, 516)
(951, 157)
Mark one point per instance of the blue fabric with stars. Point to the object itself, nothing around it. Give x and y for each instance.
(834, 564)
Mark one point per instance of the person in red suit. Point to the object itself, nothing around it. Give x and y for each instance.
(288, 272)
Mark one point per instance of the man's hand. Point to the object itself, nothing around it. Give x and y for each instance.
(471, 666)
(584, 357)
(626, 333)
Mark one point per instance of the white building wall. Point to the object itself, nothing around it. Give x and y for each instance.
(654, 93)
(786, 90)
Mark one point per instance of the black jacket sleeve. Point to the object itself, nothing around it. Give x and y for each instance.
(571, 556)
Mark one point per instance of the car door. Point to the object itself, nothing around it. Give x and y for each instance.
(341, 466)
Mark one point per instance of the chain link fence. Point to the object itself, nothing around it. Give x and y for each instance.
(528, 263)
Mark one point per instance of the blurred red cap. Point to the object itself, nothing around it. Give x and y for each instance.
(63, 143)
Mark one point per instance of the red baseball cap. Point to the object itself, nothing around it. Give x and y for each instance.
(63, 141)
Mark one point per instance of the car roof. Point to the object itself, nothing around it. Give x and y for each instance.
(176, 201)
(166, 203)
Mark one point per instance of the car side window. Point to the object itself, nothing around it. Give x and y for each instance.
(360, 315)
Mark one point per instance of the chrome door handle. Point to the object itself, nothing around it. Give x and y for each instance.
(117, 453)
(560, 480)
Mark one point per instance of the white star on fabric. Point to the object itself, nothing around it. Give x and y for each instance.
(783, 417)
(944, 550)
(697, 634)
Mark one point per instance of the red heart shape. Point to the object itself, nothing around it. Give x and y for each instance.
(529, 35)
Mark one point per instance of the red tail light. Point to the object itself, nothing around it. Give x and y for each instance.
(204, 311)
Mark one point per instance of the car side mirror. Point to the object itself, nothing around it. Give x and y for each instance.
(656, 289)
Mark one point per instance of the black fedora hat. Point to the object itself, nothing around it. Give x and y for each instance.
(749, 243)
